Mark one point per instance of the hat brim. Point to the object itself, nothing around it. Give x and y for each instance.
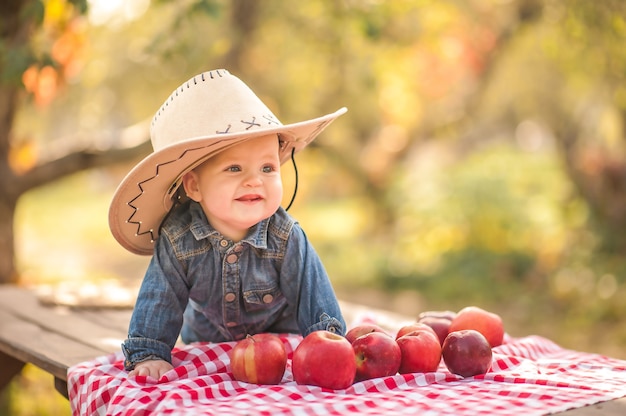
(144, 196)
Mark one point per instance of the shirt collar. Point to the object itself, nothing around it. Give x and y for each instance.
(201, 228)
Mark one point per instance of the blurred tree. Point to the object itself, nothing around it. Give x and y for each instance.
(39, 49)
(410, 72)
(592, 120)
(570, 73)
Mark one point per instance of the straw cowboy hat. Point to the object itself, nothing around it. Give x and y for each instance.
(205, 115)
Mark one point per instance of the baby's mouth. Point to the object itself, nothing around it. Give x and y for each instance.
(250, 198)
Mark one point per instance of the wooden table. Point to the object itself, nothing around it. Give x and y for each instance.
(55, 338)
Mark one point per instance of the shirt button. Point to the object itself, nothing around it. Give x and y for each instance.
(231, 258)
(229, 297)
(268, 298)
(238, 249)
(224, 243)
(231, 324)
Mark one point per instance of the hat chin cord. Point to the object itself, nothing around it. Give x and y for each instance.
(295, 170)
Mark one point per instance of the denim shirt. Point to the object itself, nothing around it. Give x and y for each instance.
(205, 287)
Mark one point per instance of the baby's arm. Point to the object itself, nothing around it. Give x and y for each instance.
(152, 368)
(316, 301)
(157, 317)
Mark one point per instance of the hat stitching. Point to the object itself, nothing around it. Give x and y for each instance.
(225, 131)
(251, 123)
(271, 120)
(220, 73)
(141, 188)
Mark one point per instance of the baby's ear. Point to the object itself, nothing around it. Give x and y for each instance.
(190, 184)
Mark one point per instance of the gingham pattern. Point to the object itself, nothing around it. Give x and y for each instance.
(529, 376)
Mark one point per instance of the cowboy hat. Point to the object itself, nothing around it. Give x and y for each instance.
(205, 115)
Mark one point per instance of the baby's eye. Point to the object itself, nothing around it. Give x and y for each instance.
(268, 169)
(233, 168)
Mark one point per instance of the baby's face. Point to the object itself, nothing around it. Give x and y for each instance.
(238, 187)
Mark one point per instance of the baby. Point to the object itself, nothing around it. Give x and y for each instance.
(227, 259)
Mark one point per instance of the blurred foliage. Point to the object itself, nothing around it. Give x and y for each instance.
(32, 393)
(482, 160)
(482, 157)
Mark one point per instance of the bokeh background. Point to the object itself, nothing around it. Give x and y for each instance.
(482, 160)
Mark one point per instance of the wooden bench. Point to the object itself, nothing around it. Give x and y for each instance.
(55, 338)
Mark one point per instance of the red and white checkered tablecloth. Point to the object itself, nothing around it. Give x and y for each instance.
(529, 376)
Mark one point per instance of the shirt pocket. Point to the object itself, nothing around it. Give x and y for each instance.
(262, 299)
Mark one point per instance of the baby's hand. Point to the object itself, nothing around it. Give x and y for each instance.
(152, 368)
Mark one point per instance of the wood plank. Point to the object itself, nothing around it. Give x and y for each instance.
(10, 368)
(115, 319)
(61, 387)
(615, 407)
(55, 338)
(46, 349)
(65, 322)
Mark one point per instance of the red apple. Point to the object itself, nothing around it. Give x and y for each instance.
(363, 329)
(377, 355)
(466, 353)
(259, 359)
(487, 323)
(441, 326)
(415, 326)
(324, 359)
(420, 351)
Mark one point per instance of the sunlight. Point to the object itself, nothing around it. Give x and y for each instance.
(103, 12)
(110, 342)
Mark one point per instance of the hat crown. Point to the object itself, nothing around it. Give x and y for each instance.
(210, 104)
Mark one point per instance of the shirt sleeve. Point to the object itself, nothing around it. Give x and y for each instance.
(158, 314)
(316, 306)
